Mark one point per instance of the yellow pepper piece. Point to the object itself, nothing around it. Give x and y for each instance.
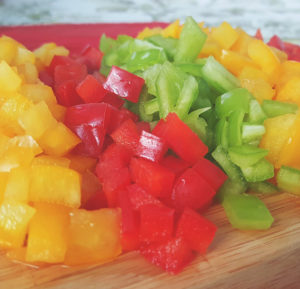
(10, 81)
(94, 236)
(282, 56)
(82, 163)
(277, 134)
(17, 186)
(3, 182)
(36, 120)
(24, 56)
(250, 72)
(47, 234)
(225, 35)
(290, 91)
(55, 184)
(147, 32)
(8, 49)
(51, 160)
(171, 30)
(58, 111)
(28, 72)
(58, 140)
(242, 42)
(14, 220)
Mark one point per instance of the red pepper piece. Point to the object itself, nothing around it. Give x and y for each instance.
(151, 147)
(100, 77)
(96, 202)
(258, 35)
(139, 197)
(91, 57)
(154, 178)
(213, 175)
(197, 231)
(66, 93)
(112, 184)
(129, 114)
(89, 122)
(191, 190)
(157, 223)
(125, 84)
(127, 135)
(172, 256)
(276, 42)
(130, 223)
(175, 164)
(143, 125)
(293, 51)
(112, 159)
(160, 128)
(46, 78)
(90, 90)
(73, 71)
(113, 99)
(182, 140)
(58, 60)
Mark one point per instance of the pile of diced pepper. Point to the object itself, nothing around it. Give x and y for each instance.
(125, 147)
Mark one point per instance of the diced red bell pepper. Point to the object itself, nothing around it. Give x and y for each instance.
(258, 35)
(126, 134)
(156, 223)
(182, 140)
(197, 231)
(172, 256)
(96, 202)
(66, 93)
(160, 128)
(73, 71)
(213, 175)
(139, 197)
(91, 57)
(191, 190)
(293, 51)
(90, 90)
(113, 100)
(125, 84)
(129, 224)
(112, 159)
(114, 182)
(46, 78)
(154, 178)
(90, 123)
(151, 147)
(58, 60)
(175, 164)
(100, 77)
(143, 125)
(276, 42)
(129, 114)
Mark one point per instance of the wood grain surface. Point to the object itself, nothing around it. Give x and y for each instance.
(236, 259)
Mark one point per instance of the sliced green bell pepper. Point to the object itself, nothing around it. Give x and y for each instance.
(260, 171)
(235, 121)
(264, 188)
(275, 108)
(252, 132)
(288, 180)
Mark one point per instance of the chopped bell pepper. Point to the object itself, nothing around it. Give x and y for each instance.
(288, 180)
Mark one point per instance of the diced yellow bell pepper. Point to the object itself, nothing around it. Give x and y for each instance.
(147, 32)
(90, 185)
(288, 70)
(265, 58)
(225, 35)
(290, 153)
(10, 81)
(282, 56)
(38, 92)
(47, 234)
(29, 73)
(259, 88)
(210, 48)
(242, 42)
(55, 184)
(290, 91)
(17, 186)
(250, 72)
(11, 109)
(94, 236)
(3, 182)
(51, 160)
(58, 111)
(58, 140)
(8, 49)
(14, 220)
(171, 30)
(277, 134)
(235, 62)
(24, 56)
(37, 120)
(25, 141)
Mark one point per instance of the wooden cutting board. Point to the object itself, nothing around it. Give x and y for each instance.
(236, 259)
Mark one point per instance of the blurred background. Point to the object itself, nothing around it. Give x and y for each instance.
(272, 16)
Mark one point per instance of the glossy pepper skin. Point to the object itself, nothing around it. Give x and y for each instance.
(124, 84)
